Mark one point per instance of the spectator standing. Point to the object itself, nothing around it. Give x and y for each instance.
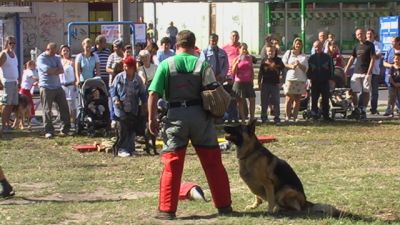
(295, 83)
(152, 48)
(323, 38)
(243, 87)
(172, 31)
(101, 50)
(29, 79)
(67, 80)
(49, 67)
(360, 82)
(187, 75)
(269, 82)
(87, 63)
(165, 51)
(217, 58)
(232, 51)
(388, 62)
(146, 70)
(115, 58)
(376, 70)
(334, 52)
(320, 72)
(7, 188)
(126, 91)
(395, 81)
(151, 34)
(9, 80)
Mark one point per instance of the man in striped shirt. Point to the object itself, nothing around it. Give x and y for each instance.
(103, 52)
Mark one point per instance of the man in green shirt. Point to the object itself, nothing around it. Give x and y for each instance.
(180, 79)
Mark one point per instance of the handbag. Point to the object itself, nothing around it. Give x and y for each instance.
(216, 99)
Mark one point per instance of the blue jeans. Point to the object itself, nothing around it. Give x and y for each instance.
(232, 112)
(270, 96)
(391, 92)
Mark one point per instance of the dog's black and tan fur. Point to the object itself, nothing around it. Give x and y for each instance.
(22, 112)
(268, 177)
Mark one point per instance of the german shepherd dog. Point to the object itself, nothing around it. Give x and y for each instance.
(22, 112)
(268, 177)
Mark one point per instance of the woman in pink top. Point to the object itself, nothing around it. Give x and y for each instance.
(242, 70)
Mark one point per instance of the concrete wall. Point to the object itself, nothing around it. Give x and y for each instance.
(194, 17)
(48, 23)
(242, 17)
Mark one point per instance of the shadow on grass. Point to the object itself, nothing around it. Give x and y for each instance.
(22, 134)
(291, 215)
(30, 201)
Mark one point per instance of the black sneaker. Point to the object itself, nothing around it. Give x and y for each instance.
(7, 192)
(165, 215)
(363, 115)
(374, 112)
(226, 211)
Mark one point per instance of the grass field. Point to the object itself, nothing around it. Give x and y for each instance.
(354, 166)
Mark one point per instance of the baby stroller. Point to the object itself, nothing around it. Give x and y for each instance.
(94, 115)
(340, 95)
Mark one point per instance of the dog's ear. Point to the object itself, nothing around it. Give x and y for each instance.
(251, 126)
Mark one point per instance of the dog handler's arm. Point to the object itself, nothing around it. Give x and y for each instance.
(152, 109)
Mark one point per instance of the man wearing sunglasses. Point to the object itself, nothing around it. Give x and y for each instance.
(9, 80)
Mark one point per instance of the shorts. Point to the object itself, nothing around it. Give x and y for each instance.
(10, 93)
(294, 87)
(243, 90)
(360, 82)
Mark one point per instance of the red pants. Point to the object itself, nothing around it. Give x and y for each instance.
(28, 94)
(170, 181)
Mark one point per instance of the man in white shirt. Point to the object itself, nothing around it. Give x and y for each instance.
(376, 71)
(9, 76)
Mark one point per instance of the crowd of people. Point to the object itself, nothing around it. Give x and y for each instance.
(177, 72)
(59, 76)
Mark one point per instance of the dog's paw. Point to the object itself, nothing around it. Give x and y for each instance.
(250, 207)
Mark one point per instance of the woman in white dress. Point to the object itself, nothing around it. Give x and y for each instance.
(296, 64)
(67, 80)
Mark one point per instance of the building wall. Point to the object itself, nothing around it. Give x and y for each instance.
(242, 17)
(190, 16)
(48, 23)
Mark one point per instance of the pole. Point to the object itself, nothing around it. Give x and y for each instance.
(268, 17)
(155, 20)
(302, 17)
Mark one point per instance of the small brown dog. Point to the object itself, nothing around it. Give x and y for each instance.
(22, 112)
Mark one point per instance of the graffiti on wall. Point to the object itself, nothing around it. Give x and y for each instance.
(30, 34)
(49, 23)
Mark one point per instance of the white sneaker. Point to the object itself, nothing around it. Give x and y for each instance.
(123, 153)
(36, 122)
(48, 135)
(113, 123)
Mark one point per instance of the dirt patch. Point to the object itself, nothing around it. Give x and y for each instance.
(387, 215)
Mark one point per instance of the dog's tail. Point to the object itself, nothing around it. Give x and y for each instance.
(324, 209)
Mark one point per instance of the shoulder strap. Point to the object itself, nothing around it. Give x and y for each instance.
(290, 53)
(198, 66)
(171, 65)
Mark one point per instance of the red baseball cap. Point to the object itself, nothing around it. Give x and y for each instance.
(130, 61)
